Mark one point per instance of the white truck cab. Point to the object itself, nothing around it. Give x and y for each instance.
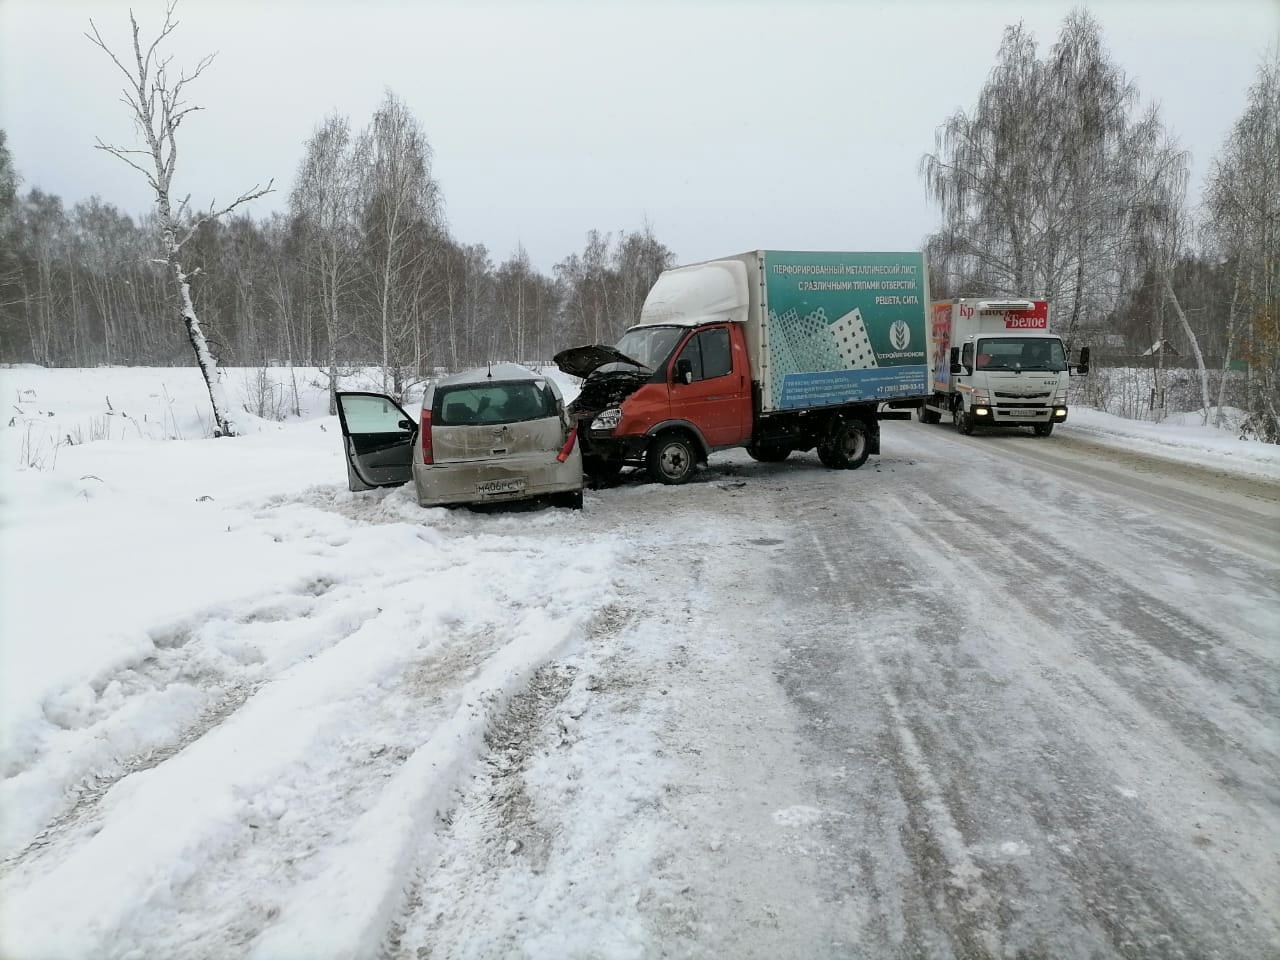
(996, 364)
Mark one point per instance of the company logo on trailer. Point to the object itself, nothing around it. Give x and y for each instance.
(1025, 323)
(900, 335)
(1037, 318)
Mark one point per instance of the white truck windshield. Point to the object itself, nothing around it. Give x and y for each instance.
(1021, 353)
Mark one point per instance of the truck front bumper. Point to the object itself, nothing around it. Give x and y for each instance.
(603, 445)
(1002, 415)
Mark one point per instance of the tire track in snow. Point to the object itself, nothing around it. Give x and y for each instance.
(935, 843)
(183, 655)
(496, 827)
(501, 797)
(329, 789)
(1133, 656)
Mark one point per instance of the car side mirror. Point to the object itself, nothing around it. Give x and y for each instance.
(406, 425)
(684, 371)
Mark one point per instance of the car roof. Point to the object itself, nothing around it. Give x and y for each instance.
(498, 371)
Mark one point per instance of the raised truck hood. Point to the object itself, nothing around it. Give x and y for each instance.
(581, 361)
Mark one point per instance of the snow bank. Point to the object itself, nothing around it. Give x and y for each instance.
(199, 638)
(1181, 437)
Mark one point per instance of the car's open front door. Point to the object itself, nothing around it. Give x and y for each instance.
(377, 438)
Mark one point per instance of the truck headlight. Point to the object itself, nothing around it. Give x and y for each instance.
(607, 419)
(981, 398)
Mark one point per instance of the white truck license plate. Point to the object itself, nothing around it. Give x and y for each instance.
(491, 487)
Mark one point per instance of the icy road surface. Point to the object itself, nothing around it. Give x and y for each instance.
(985, 697)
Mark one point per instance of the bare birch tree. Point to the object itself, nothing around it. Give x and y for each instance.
(1242, 201)
(324, 198)
(155, 95)
(1039, 185)
(400, 198)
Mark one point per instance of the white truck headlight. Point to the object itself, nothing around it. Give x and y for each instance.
(607, 419)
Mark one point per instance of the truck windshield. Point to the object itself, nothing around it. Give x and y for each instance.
(650, 346)
(1021, 353)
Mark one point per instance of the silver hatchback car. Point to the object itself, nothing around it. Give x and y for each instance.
(484, 435)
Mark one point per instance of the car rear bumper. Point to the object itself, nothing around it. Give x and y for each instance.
(444, 484)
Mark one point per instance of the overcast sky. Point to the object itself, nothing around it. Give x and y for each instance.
(729, 126)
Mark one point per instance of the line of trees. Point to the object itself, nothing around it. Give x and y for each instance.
(1058, 183)
(1061, 183)
(360, 269)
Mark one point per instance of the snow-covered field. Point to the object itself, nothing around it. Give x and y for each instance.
(239, 705)
(153, 583)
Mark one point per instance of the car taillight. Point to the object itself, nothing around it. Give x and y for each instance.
(567, 449)
(425, 430)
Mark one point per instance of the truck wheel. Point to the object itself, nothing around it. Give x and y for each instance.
(671, 458)
(1043, 429)
(926, 415)
(964, 421)
(768, 453)
(848, 448)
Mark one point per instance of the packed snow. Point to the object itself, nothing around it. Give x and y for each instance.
(222, 672)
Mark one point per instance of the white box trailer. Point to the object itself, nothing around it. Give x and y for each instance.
(996, 363)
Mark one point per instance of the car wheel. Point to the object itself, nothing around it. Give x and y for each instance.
(1043, 429)
(848, 448)
(768, 453)
(570, 501)
(671, 458)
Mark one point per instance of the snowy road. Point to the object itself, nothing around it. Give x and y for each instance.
(985, 697)
(962, 703)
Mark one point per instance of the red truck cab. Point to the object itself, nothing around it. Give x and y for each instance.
(698, 390)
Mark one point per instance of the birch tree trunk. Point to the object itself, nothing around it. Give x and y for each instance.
(1195, 346)
(1231, 342)
(158, 108)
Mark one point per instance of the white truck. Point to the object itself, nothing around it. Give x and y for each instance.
(995, 363)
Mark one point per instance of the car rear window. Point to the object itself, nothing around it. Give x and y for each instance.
(484, 403)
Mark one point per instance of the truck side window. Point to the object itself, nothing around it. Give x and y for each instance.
(717, 361)
(693, 353)
(966, 356)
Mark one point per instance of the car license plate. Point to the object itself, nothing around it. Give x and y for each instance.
(489, 488)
